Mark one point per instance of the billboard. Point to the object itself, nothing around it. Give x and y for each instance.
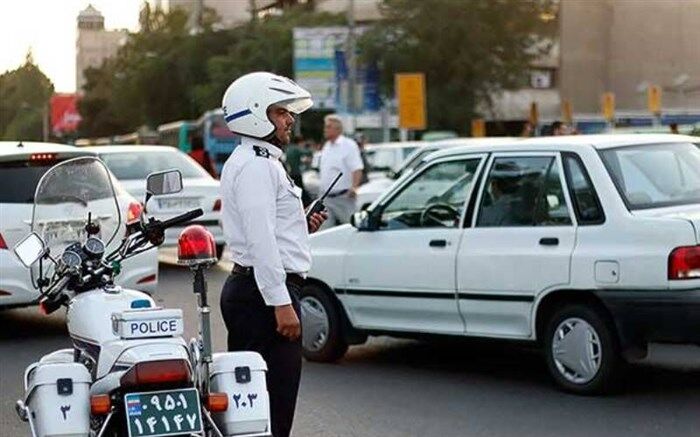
(64, 113)
(320, 66)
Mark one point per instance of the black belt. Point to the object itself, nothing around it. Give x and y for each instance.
(294, 278)
(336, 194)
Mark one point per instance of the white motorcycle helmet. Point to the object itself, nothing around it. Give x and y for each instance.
(247, 99)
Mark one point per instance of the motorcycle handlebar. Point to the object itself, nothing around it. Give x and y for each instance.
(182, 218)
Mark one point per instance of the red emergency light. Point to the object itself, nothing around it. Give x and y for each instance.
(196, 246)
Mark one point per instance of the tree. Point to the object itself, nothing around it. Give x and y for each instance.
(164, 73)
(24, 96)
(468, 50)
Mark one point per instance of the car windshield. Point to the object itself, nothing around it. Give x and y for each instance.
(138, 165)
(385, 159)
(414, 160)
(654, 176)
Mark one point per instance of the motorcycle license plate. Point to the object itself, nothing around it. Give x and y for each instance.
(163, 413)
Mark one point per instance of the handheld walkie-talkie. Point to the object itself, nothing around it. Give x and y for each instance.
(317, 205)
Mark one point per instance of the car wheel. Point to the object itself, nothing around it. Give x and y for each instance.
(322, 339)
(219, 251)
(582, 350)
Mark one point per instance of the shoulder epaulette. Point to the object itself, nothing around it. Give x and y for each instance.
(261, 151)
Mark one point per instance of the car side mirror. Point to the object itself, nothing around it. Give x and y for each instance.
(163, 182)
(363, 221)
(30, 249)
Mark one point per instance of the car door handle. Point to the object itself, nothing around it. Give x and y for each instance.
(549, 242)
(438, 243)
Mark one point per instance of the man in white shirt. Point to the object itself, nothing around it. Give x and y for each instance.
(339, 154)
(268, 234)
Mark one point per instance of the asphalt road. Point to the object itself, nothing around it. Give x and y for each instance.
(391, 387)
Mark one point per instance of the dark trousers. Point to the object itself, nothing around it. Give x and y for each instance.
(252, 326)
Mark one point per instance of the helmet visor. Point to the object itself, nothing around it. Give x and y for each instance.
(296, 106)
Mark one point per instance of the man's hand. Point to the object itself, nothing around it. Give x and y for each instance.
(316, 220)
(352, 193)
(287, 322)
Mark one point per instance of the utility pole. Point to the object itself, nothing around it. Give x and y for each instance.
(352, 66)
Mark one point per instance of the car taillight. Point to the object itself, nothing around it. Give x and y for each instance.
(217, 205)
(156, 372)
(133, 212)
(217, 402)
(100, 405)
(3, 245)
(145, 279)
(684, 263)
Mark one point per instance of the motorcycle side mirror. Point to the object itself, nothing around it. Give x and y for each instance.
(30, 249)
(163, 182)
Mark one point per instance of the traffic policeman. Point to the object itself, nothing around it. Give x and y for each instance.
(267, 233)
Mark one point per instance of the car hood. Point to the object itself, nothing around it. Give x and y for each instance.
(690, 213)
(331, 239)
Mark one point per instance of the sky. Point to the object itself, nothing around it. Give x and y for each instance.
(49, 28)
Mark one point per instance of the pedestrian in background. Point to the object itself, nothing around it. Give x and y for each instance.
(361, 140)
(339, 154)
(199, 154)
(268, 233)
(294, 156)
(558, 128)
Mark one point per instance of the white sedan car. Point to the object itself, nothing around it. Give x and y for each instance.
(23, 164)
(131, 165)
(587, 246)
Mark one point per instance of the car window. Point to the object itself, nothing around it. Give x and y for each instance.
(20, 178)
(523, 191)
(138, 165)
(434, 198)
(654, 176)
(586, 202)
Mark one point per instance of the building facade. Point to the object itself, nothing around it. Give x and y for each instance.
(94, 43)
(623, 46)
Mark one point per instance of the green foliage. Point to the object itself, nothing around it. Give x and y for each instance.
(467, 49)
(164, 74)
(24, 96)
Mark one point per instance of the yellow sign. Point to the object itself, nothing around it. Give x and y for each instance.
(478, 127)
(654, 99)
(608, 103)
(534, 116)
(410, 93)
(567, 112)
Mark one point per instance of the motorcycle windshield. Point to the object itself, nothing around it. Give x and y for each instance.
(70, 194)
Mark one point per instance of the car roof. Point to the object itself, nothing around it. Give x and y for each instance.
(24, 147)
(599, 142)
(396, 145)
(10, 150)
(129, 148)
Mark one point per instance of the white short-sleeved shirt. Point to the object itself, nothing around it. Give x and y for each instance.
(263, 218)
(343, 155)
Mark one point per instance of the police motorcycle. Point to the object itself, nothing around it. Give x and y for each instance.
(130, 372)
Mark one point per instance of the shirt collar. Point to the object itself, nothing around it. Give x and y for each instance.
(275, 151)
(337, 140)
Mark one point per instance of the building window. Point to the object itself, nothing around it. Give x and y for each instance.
(542, 78)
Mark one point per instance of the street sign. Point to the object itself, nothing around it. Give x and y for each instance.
(410, 93)
(608, 103)
(478, 127)
(567, 112)
(654, 99)
(534, 116)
